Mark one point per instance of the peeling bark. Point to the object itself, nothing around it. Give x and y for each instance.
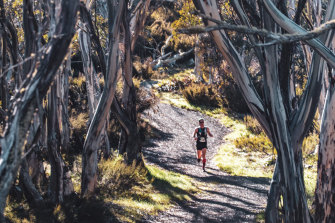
(324, 193)
(91, 145)
(31, 94)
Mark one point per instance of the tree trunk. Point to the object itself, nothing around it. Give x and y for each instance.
(324, 193)
(91, 145)
(56, 179)
(33, 196)
(63, 97)
(27, 99)
(130, 140)
(198, 59)
(91, 77)
(138, 19)
(293, 191)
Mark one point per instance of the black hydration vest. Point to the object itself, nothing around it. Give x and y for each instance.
(202, 135)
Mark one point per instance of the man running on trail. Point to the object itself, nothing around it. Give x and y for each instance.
(200, 135)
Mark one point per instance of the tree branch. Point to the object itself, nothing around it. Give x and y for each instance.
(276, 37)
(292, 27)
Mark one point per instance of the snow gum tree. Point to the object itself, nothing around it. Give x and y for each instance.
(284, 117)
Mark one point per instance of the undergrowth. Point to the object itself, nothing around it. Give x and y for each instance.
(139, 190)
(124, 193)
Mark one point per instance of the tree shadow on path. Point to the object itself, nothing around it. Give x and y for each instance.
(222, 197)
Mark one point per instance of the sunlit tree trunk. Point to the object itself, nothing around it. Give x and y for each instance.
(130, 140)
(133, 23)
(91, 145)
(91, 77)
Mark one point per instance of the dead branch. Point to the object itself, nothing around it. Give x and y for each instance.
(275, 37)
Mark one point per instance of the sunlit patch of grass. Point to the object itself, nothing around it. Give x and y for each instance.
(176, 185)
(179, 101)
(76, 174)
(137, 190)
(253, 164)
(175, 100)
(310, 175)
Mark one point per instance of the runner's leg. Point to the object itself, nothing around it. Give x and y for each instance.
(199, 155)
(204, 158)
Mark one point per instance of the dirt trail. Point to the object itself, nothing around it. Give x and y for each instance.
(225, 198)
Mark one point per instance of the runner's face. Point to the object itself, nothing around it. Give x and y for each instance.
(201, 123)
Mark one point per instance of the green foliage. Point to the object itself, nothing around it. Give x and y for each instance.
(251, 143)
(79, 122)
(186, 19)
(139, 190)
(201, 94)
(79, 127)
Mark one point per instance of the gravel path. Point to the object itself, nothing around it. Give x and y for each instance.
(225, 198)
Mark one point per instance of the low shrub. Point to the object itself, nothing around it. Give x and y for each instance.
(253, 125)
(143, 69)
(310, 144)
(117, 176)
(201, 94)
(79, 127)
(231, 95)
(251, 143)
(174, 84)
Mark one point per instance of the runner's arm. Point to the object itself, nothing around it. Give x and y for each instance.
(195, 133)
(209, 132)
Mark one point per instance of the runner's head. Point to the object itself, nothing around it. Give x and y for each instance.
(201, 122)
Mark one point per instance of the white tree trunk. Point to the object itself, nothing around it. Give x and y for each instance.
(91, 145)
(324, 193)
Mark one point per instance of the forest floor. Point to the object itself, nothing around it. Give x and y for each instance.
(221, 197)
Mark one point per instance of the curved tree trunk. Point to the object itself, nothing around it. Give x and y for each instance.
(130, 140)
(91, 77)
(31, 94)
(91, 145)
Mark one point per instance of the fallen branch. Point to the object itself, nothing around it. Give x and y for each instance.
(170, 61)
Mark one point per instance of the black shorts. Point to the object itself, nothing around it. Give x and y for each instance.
(201, 145)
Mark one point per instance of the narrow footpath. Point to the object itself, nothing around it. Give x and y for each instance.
(224, 198)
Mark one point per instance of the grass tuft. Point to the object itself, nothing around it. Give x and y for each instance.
(134, 191)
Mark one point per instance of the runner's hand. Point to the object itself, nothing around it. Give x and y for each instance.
(195, 138)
